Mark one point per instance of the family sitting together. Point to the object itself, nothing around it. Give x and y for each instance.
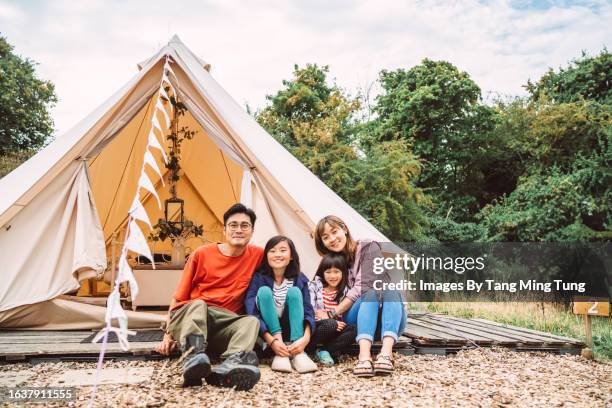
(291, 314)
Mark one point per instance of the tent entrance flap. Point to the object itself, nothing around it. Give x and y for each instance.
(53, 242)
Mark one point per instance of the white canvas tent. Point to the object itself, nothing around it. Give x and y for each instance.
(59, 209)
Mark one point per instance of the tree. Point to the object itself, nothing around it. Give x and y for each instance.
(316, 122)
(556, 206)
(588, 78)
(437, 109)
(565, 153)
(312, 120)
(25, 122)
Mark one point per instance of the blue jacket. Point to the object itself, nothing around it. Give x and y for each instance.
(259, 280)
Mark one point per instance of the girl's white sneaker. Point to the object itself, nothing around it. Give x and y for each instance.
(281, 364)
(303, 364)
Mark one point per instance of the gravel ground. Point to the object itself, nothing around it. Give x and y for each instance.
(475, 378)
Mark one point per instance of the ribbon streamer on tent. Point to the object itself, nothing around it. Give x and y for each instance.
(126, 274)
(135, 240)
(163, 93)
(145, 182)
(138, 212)
(169, 69)
(160, 107)
(157, 126)
(154, 143)
(150, 160)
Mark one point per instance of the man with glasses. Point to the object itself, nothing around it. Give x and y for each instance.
(205, 313)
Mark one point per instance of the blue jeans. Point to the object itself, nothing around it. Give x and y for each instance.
(294, 307)
(368, 310)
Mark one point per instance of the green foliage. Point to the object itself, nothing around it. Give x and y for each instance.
(177, 136)
(9, 161)
(587, 78)
(545, 134)
(164, 230)
(555, 206)
(316, 122)
(437, 109)
(430, 161)
(24, 102)
(564, 153)
(380, 187)
(425, 102)
(444, 229)
(173, 230)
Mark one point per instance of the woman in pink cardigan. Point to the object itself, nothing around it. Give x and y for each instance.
(363, 306)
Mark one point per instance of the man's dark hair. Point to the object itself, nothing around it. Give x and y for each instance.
(293, 269)
(239, 209)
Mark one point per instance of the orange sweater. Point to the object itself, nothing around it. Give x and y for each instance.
(217, 279)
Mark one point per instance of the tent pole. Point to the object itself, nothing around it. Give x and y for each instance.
(113, 261)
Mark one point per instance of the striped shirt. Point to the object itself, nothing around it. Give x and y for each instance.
(329, 296)
(279, 293)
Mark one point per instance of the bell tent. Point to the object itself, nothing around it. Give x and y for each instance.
(62, 211)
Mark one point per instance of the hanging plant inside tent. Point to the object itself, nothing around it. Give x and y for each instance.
(167, 228)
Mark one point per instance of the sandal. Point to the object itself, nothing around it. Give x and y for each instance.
(364, 368)
(383, 365)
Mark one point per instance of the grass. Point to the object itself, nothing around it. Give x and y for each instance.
(11, 160)
(545, 317)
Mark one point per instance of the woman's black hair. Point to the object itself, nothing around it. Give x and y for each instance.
(338, 261)
(293, 269)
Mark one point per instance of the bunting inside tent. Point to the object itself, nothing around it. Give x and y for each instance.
(135, 240)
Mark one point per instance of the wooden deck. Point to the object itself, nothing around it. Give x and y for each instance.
(441, 334)
(425, 334)
(19, 345)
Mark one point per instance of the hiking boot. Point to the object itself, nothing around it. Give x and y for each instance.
(197, 365)
(233, 372)
(250, 358)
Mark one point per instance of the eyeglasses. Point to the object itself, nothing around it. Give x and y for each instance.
(244, 226)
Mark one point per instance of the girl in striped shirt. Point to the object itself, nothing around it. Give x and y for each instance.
(327, 290)
(278, 295)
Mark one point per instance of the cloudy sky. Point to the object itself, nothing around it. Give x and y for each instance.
(88, 49)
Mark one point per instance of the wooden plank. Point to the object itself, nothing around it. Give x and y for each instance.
(527, 336)
(464, 324)
(452, 335)
(40, 340)
(412, 332)
(467, 334)
(422, 334)
(500, 338)
(560, 339)
(413, 327)
(47, 333)
(8, 351)
(46, 337)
